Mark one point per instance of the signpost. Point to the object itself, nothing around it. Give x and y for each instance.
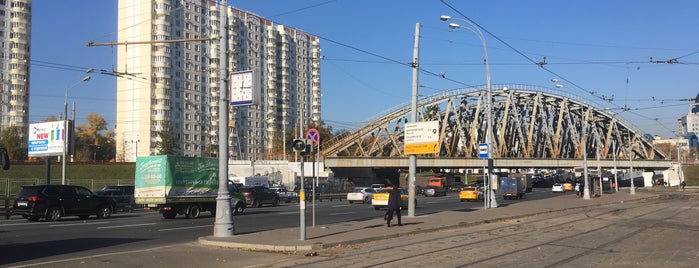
(483, 154)
(421, 138)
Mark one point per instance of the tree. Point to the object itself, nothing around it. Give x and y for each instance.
(166, 139)
(92, 142)
(11, 140)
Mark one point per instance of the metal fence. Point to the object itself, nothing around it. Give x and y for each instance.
(11, 187)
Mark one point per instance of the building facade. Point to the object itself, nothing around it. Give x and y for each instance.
(174, 73)
(15, 43)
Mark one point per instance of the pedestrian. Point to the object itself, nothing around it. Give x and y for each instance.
(577, 189)
(684, 183)
(394, 205)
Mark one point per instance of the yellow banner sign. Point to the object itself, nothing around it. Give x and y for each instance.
(422, 148)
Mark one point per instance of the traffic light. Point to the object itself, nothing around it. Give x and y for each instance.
(299, 146)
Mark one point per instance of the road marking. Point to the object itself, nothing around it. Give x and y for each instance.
(183, 228)
(125, 226)
(343, 213)
(74, 224)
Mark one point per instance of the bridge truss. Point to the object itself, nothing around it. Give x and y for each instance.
(528, 122)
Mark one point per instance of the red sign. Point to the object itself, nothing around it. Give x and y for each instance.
(314, 135)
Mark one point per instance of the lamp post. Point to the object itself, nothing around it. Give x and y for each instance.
(633, 187)
(489, 133)
(66, 133)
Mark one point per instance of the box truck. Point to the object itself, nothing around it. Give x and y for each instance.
(176, 185)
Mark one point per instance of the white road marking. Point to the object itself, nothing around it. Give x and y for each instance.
(182, 228)
(343, 213)
(125, 226)
(74, 224)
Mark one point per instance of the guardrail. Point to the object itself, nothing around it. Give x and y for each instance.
(330, 197)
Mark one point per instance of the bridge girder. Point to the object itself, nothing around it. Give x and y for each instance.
(529, 122)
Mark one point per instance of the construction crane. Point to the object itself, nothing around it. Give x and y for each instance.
(93, 44)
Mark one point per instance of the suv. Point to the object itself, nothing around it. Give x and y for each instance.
(123, 196)
(55, 201)
(257, 195)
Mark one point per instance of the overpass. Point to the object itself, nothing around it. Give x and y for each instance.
(533, 127)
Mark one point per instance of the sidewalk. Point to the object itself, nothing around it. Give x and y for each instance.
(355, 232)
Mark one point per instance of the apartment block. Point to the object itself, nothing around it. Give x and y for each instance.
(15, 41)
(174, 61)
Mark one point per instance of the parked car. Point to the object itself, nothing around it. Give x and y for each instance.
(434, 191)
(256, 196)
(52, 202)
(470, 194)
(380, 199)
(284, 194)
(557, 188)
(123, 196)
(361, 194)
(377, 186)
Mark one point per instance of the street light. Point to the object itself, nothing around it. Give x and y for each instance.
(66, 133)
(488, 137)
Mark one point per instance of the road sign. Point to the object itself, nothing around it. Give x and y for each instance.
(314, 135)
(483, 150)
(421, 138)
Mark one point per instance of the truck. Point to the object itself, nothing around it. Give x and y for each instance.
(511, 187)
(176, 185)
(251, 181)
(437, 182)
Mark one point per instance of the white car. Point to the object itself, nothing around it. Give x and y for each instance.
(557, 188)
(360, 194)
(284, 194)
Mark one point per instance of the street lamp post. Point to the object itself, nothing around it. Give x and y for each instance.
(489, 134)
(633, 187)
(66, 133)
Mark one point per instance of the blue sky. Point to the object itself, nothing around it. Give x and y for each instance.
(596, 45)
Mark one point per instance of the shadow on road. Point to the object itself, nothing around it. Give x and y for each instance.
(33, 251)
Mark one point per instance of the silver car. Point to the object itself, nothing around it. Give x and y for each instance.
(361, 194)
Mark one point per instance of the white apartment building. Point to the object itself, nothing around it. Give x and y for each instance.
(15, 41)
(174, 72)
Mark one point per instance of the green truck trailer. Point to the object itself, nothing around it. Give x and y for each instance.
(176, 185)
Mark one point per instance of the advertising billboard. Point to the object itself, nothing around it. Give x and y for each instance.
(47, 138)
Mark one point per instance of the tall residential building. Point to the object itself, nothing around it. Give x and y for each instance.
(15, 41)
(173, 72)
(690, 122)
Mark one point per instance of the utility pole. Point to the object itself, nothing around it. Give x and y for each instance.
(412, 159)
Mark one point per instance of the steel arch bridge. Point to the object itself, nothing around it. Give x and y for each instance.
(529, 122)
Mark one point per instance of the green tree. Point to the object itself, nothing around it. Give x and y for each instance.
(166, 139)
(11, 140)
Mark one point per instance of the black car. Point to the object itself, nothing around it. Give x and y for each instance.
(257, 195)
(123, 196)
(53, 202)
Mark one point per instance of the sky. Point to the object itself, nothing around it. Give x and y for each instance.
(596, 49)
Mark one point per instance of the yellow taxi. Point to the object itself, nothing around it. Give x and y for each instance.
(380, 198)
(470, 193)
(567, 186)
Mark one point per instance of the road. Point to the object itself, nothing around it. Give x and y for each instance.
(24, 242)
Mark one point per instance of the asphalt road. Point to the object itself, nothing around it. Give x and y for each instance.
(26, 243)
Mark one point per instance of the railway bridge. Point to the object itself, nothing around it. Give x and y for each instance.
(533, 127)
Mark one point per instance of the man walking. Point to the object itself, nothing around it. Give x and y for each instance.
(394, 204)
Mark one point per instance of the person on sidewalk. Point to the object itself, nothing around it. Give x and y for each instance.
(684, 183)
(394, 204)
(577, 189)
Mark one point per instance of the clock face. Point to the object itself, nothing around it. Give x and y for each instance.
(242, 88)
